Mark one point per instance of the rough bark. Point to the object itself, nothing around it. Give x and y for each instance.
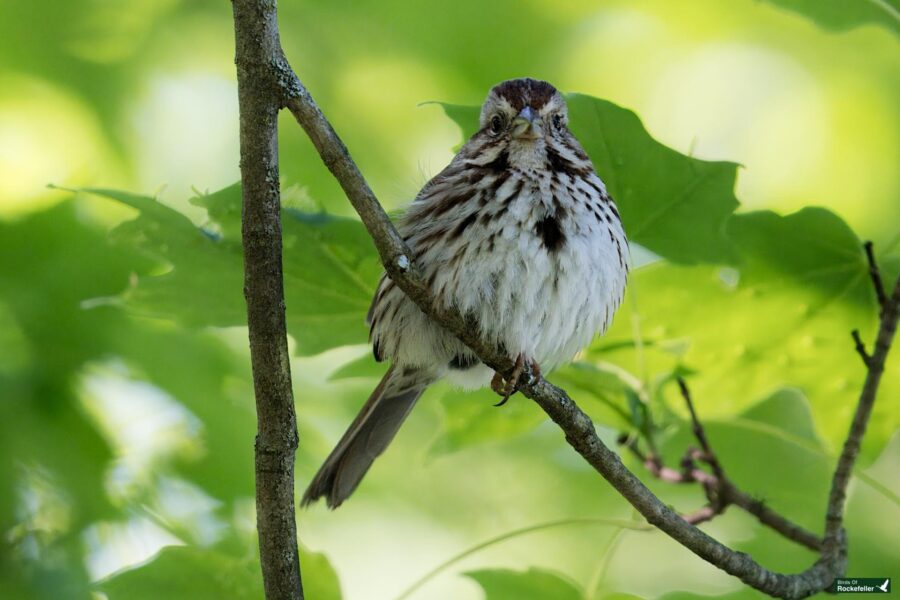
(256, 47)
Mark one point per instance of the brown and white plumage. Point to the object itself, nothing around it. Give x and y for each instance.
(517, 232)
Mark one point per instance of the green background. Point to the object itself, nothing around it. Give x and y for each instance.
(750, 145)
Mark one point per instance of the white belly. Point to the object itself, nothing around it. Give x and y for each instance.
(545, 304)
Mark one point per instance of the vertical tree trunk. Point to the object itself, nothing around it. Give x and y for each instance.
(257, 47)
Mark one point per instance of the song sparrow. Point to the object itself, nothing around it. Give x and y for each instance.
(516, 232)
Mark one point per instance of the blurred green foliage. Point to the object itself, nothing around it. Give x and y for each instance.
(534, 584)
(126, 410)
(840, 16)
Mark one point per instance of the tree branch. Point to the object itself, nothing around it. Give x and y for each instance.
(834, 533)
(860, 347)
(576, 425)
(256, 46)
(875, 275)
(708, 455)
(720, 492)
(580, 434)
(393, 251)
(769, 517)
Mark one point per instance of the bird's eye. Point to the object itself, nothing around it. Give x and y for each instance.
(496, 124)
(557, 121)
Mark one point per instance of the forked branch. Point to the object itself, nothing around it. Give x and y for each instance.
(578, 428)
(576, 425)
(721, 492)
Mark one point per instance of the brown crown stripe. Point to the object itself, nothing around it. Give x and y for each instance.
(525, 92)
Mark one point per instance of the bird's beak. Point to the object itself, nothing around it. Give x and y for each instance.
(527, 124)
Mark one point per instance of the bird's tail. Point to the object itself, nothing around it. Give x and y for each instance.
(368, 436)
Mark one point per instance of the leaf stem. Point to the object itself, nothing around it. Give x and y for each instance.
(618, 523)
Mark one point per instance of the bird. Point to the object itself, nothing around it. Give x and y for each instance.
(517, 233)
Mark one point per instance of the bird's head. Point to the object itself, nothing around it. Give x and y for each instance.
(525, 116)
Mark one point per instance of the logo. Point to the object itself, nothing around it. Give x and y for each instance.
(861, 585)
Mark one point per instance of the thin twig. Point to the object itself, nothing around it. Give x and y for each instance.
(861, 347)
(699, 433)
(875, 274)
(581, 435)
(770, 518)
(835, 543)
(703, 514)
(721, 493)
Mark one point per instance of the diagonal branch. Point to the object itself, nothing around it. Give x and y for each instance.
(875, 275)
(834, 517)
(720, 491)
(392, 249)
(708, 455)
(861, 347)
(577, 426)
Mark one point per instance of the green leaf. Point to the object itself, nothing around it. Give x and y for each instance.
(471, 418)
(189, 573)
(786, 409)
(782, 319)
(638, 409)
(464, 116)
(533, 584)
(201, 279)
(196, 573)
(607, 385)
(320, 582)
(364, 366)
(58, 294)
(841, 15)
(330, 269)
(672, 204)
(813, 247)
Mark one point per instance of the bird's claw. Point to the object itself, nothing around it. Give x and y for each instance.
(508, 387)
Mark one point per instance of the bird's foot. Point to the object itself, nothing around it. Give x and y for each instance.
(507, 387)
